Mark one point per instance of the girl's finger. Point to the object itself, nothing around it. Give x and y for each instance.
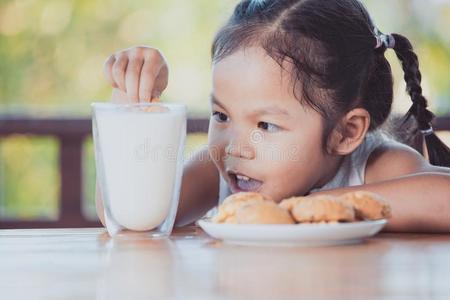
(119, 69)
(132, 78)
(107, 70)
(147, 81)
(119, 96)
(160, 81)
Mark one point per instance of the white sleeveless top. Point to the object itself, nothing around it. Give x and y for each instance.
(352, 170)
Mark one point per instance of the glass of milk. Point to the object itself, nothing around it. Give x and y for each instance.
(139, 162)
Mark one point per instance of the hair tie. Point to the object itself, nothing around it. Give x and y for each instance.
(428, 131)
(386, 40)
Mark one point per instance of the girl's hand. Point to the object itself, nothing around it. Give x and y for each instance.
(138, 74)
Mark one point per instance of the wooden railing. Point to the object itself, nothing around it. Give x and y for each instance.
(71, 133)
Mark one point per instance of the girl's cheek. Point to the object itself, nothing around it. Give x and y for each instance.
(287, 179)
(216, 143)
(279, 149)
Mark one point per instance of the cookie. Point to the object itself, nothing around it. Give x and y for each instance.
(289, 203)
(155, 108)
(232, 203)
(367, 205)
(263, 212)
(322, 209)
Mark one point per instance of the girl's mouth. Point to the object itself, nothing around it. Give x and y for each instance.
(243, 183)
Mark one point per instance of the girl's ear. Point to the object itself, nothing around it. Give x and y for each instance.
(350, 132)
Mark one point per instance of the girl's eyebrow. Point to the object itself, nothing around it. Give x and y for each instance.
(214, 100)
(269, 110)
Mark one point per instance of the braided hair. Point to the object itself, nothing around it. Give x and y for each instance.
(438, 152)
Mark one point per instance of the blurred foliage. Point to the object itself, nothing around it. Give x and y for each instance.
(52, 53)
(29, 177)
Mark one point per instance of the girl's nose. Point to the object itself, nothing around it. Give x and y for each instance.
(240, 148)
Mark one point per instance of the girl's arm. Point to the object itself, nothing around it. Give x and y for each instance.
(199, 190)
(419, 193)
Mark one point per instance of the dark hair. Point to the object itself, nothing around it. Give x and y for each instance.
(336, 66)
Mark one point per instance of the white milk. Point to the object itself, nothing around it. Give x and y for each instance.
(139, 153)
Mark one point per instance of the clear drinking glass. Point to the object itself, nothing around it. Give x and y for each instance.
(139, 162)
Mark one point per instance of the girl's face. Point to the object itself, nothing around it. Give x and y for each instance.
(260, 137)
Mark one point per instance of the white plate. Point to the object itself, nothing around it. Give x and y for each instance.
(293, 235)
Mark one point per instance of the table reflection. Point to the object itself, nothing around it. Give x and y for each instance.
(137, 269)
(244, 272)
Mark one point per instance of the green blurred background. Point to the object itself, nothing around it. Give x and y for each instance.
(52, 52)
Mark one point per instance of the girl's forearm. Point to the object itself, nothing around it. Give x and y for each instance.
(99, 204)
(419, 202)
(199, 188)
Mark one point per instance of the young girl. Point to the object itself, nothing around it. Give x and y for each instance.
(300, 90)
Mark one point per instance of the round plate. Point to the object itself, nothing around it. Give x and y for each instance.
(293, 235)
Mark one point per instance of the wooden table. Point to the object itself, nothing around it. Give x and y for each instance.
(87, 264)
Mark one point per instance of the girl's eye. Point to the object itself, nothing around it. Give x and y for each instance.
(220, 117)
(268, 126)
